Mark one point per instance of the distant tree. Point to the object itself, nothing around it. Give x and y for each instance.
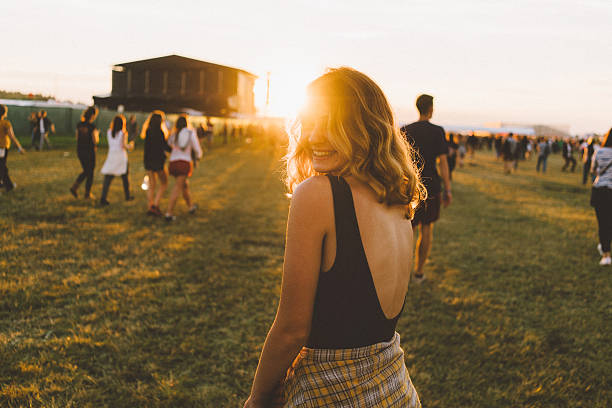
(19, 95)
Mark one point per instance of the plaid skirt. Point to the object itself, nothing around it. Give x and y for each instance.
(370, 376)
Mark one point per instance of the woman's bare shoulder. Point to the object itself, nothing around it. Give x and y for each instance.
(312, 188)
(313, 197)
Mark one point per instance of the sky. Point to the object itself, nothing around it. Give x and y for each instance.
(484, 61)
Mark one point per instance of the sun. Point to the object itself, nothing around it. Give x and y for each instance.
(287, 92)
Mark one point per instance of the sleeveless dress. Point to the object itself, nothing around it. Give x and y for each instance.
(353, 356)
(116, 163)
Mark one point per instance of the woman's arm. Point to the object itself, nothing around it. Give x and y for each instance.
(127, 145)
(12, 136)
(96, 136)
(310, 217)
(594, 165)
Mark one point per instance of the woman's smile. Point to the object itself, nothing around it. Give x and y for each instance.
(318, 154)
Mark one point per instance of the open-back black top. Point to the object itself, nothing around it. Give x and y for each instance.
(347, 312)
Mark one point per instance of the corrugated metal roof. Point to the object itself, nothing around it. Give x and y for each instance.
(179, 58)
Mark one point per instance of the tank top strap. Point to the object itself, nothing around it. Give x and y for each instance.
(347, 233)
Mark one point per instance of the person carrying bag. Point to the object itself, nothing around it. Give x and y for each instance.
(601, 197)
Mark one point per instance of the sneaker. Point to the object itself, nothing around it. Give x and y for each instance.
(104, 203)
(73, 191)
(418, 279)
(193, 209)
(605, 261)
(130, 198)
(170, 218)
(599, 249)
(150, 211)
(156, 211)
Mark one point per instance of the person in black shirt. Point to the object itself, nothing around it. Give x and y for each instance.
(87, 136)
(155, 135)
(452, 154)
(430, 143)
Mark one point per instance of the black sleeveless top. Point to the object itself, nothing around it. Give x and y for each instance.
(347, 312)
(85, 141)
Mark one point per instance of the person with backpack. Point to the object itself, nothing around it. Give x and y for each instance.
(601, 197)
(183, 141)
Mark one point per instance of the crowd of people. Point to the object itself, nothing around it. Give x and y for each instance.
(593, 155)
(180, 142)
(512, 149)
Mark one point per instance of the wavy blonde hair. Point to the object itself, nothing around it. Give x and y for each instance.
(361, 128)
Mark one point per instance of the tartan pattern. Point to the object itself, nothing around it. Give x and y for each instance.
(370, 376)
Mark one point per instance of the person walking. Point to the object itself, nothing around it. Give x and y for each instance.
(347, 255)
(543, 152)
(87, 137)
(33, 122)
(183, 141)
(116, 163)
(452, 154)
(155, 135)
(209, 134)
(132, 128)
(509, 148)
(44, 127)
(568, 155)
(601, 197)
(6, 136)
(587, 156)
(428, 141)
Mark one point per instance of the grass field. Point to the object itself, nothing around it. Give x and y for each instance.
(108, 307)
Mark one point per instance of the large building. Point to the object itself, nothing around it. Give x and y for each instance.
(177, 84)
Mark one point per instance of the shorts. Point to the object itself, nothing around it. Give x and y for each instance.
(180, 168)
(428, 211)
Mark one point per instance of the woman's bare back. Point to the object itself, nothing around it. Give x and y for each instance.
(386, 235)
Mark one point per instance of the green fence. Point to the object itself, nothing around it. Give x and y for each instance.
(65, 120)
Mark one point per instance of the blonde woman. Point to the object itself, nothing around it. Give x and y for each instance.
(348, 255)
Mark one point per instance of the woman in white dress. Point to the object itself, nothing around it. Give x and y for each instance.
(183, 141)
(116, 163)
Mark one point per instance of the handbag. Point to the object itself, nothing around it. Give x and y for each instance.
(602, 172)
(598, 194)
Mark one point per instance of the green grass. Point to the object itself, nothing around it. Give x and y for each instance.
(108, 307)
